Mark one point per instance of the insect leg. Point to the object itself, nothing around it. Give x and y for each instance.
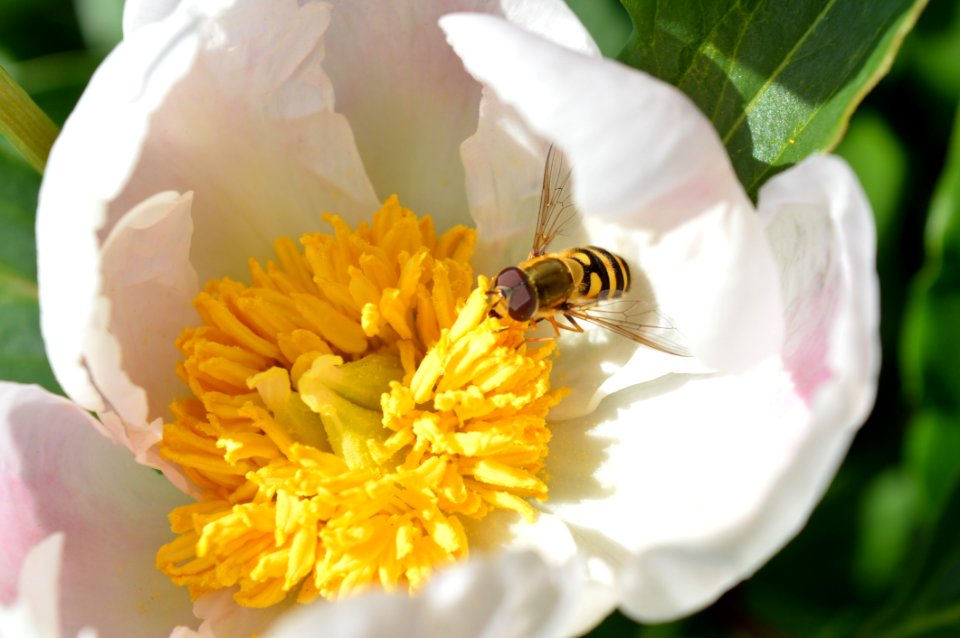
(573, 327)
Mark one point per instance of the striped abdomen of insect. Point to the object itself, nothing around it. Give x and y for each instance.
(603, 275)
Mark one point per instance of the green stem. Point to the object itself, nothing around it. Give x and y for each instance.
(23, 123)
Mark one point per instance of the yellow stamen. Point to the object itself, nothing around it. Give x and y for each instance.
(352, 407)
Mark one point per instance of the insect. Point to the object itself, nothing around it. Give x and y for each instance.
(586, 283)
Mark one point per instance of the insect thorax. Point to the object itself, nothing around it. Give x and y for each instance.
(554, 279)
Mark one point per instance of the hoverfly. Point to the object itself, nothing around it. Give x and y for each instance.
(586, 283)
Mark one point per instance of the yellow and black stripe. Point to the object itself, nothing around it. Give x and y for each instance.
(604, 274)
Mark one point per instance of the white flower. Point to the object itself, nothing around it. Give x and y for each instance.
(220, 126)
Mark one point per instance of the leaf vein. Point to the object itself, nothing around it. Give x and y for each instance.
(705, 42)
(728, 72)
(821, 16)
(761, 176)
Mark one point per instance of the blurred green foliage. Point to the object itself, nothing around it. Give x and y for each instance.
(881, 554)
(22, 357)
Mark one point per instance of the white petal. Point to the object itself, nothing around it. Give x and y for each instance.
(250, 129)
(551, 538)
(223, 617)
(511, 595)
(686, 485)
(653, 183)
(407, 97)
(230, 102)
(36, 613)
(137, 13)
(148, 285)
(685, 462)
(504, 159)
(553, 20)
(504, 165)
(58, 474)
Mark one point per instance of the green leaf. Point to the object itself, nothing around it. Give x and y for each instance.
(606, 21)
(22, 356)
(778, 78)
(23, 123)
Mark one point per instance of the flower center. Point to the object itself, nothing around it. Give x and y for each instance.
(351, 409)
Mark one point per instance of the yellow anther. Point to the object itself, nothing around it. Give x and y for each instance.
(352, 407)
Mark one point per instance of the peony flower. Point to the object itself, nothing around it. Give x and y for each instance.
(218, 133)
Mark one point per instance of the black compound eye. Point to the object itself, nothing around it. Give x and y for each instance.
(518, 293)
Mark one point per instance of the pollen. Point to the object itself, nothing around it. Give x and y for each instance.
(353, 408)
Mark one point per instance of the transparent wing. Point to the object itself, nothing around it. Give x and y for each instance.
(634, 320)
(556, 208)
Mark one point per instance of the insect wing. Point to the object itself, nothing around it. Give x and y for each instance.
(556, 209)
(636, 321)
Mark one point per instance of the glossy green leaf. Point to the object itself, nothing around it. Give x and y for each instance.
(778, 78)
(22, 356)
(606, 21)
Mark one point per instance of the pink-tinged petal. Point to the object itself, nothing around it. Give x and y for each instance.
(57, 473)
(223, 617)
(38, 594)
(148, 285)
(36, 613)
(250, 129)
(512, 595)
(652, 182)
(229, 102)
(821, 229)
